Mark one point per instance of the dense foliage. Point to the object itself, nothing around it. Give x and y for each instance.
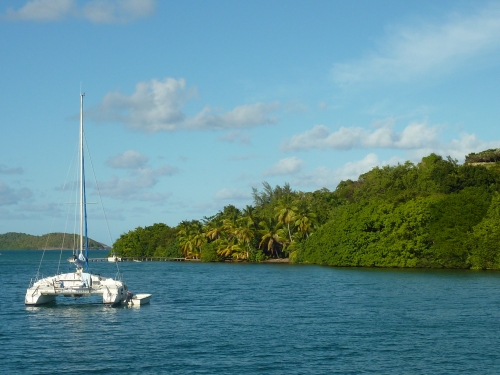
(273, 228)
(436, 214)
(22, 241)
(158, 240)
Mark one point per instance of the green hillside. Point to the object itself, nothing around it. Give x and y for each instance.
(22, 241)
(435, 214)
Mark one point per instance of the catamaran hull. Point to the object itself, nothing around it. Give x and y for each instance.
(38, 299)
(76, 284)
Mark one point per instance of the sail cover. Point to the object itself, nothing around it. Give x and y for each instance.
(80, 261)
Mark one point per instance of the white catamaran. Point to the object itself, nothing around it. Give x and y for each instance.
(81, 282)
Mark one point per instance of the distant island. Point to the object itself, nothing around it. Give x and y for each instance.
(51, 241)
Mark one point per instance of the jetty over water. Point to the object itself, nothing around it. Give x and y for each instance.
(145, 259)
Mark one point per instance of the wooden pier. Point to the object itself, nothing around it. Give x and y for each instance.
(144, 259)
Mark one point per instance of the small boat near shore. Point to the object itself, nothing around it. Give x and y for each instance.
(114, 258)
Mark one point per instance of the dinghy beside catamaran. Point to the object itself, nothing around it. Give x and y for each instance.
(81, 282)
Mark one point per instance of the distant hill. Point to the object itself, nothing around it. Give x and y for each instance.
(22, 241)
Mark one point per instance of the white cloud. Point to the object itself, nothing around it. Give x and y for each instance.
(232, 194)
(415, 135)
(118, 11)
(430, 48)
(324, 177)
(137, 186)
(42, 10)
(6, 170)
(457, 148)
(148, 177)
(97, 11)
(286, 166)
(352, 170)
(141, 180)
(418, 139)
(157, 106)
(9, 196)
(128, 160)
(243, 116)
(313, 138)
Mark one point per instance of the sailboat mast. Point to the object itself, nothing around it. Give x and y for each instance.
(82, 182)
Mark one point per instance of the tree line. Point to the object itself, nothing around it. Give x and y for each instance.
(435, 213)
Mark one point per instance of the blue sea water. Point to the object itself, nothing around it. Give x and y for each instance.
(255, 319)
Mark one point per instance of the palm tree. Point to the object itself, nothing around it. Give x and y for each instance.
(199, 239)
(305, 221)
(187, 245)
(213, 230)
(247, 217)
(185, 241)
(191, 238)
(285, 212)
(272, 236)
(244, 236)
(229, 248)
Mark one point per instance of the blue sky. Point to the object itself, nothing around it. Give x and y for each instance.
(190, 104)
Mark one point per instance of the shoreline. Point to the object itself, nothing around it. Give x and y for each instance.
(279, 260)
(51, 249)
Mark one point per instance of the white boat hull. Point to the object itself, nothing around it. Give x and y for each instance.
(36, 299)
(76, 284)
(139, 299)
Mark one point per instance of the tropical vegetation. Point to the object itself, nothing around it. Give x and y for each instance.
(433, 214)
(273, 227)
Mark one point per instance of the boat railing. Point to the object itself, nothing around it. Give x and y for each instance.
(80, 290)
(33, 280)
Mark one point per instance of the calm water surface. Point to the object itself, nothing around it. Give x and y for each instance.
(255, 319)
